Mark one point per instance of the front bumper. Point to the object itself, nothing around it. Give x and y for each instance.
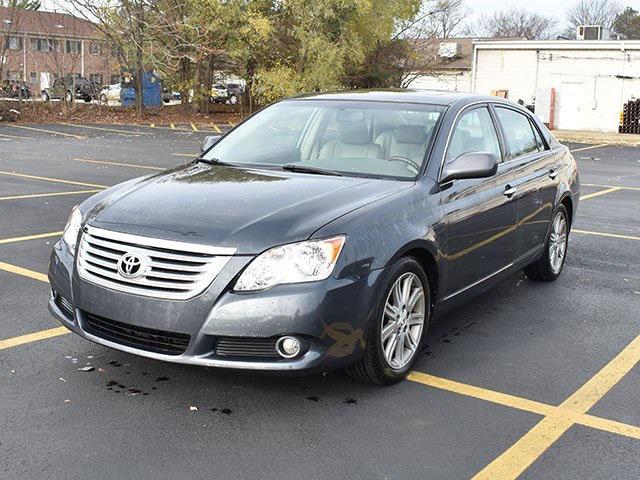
(329, 316)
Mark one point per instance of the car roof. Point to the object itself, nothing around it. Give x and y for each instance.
(432, 97)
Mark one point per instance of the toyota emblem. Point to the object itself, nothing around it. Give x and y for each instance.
(131, 265)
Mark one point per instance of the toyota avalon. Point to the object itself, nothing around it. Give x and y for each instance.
(323, 232)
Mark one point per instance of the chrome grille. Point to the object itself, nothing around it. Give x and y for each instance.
(172, 270)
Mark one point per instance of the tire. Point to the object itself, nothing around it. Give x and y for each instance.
(68, 97)
(88, 99)
(549, 266)
(104, 99)
(375, 366)
(45, 97)
(233, 99)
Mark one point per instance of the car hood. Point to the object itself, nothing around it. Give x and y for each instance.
(247, 209)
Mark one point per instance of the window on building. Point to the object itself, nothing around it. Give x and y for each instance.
(96, 78)
(14, 43)
(33, 78)
(73, 46)
(116, 51)
(95, 48)
(44, 45)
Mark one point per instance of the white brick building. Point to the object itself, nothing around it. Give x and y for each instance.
(592, 79)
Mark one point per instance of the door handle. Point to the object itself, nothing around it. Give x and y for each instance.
(553, 174)
(510, 191)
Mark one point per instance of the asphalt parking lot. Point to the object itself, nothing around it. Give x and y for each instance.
(531, 379)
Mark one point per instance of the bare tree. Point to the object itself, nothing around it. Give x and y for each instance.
(125, 24)
(447, 18)
(516, 23)
(594, 12)
(10, 41)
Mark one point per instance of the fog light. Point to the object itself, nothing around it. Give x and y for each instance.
(288, 347)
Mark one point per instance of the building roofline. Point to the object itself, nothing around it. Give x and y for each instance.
(619, 45)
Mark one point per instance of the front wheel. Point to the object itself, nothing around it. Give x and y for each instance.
(397, 327)
(549, 266)
(45, 96)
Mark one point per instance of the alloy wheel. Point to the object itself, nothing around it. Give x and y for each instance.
(558, 242)
(403, 321)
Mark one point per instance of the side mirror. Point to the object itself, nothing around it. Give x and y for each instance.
(209, 142)
(470, 165)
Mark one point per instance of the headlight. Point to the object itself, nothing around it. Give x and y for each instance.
(294, 263)
(71, 230)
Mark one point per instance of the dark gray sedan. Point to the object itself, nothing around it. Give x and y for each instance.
(323, 232)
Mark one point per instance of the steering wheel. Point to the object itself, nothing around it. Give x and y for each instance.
(406, 161)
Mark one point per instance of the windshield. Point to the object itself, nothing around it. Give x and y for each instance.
(350, 138)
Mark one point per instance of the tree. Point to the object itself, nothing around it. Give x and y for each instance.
(516, 23)
(11, 25)
(627, 24)
(125, 23)
(322, 44)
(445, 18)
(592, 12)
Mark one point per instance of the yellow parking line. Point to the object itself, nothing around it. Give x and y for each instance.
(610, 186)
(523, 404)
(194, 128)
(91, 127)
(45, 131)
(118, 164)
(534, 443)
(55, 194)
(190, 155)
(152, 125)
(54, 180)
(601, 192)
(481, 393)
(216, 128)
(231, 124)
(589, 148)
(172, 126)
(603, 234)
(33, 337)
(29, 237)
(7, 267)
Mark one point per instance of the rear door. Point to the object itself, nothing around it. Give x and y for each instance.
(535, 169)
(480, 214)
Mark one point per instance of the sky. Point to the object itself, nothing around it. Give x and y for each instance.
(554, 8)
(551, 8)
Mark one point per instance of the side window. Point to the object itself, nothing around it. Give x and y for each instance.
(539, 141)
(474, 132)
(518, 132)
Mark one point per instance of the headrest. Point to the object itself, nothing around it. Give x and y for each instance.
(416, 134)
(354, 133)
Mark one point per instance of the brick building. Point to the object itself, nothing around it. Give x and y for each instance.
(38, 47)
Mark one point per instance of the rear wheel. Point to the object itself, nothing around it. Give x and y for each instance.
(399, 322)
(548, 267)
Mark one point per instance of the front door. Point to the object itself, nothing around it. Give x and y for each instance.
(535, 167)
(480, 214)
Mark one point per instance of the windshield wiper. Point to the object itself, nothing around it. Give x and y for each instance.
(211, 161)
(309, 169)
